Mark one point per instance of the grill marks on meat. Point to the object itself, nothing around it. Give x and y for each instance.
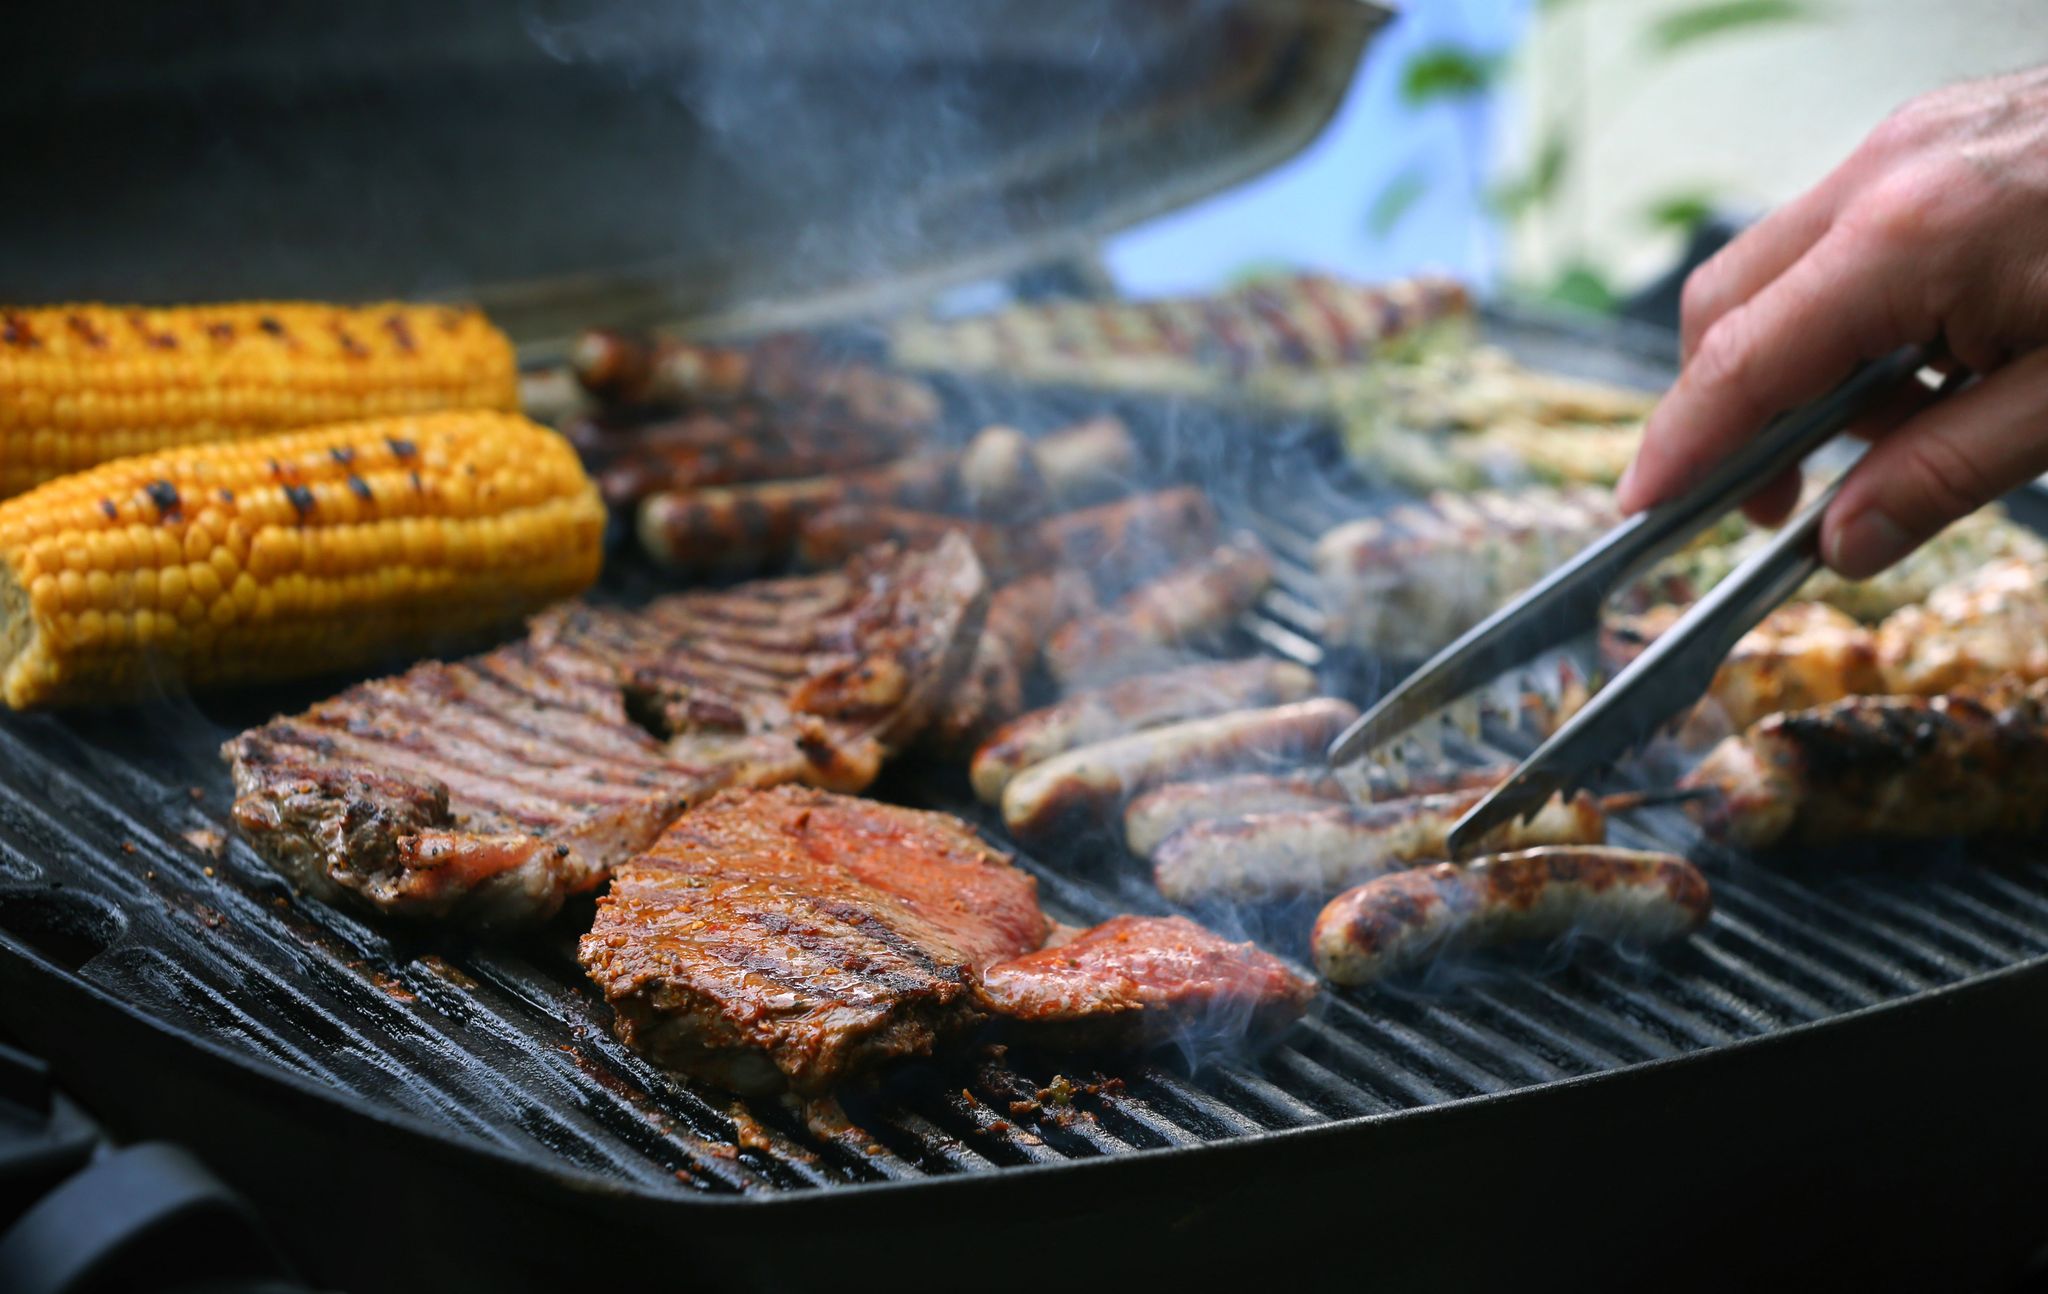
(795, 938)
(792, 938)
(1883, 767)
(489, 789)
(1139, 981)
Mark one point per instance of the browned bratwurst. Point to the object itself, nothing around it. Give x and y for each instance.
(1095, 781)
(827, 538)
(740, 527)
(1313, 852)
(1121, 543)
(1020, 616)
(1160, 812)
(1156, 622)
(1398, 921)
(1169, 697)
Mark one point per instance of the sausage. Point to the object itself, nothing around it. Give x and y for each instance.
(1121, 543)
(1160, 812)
(1163, 810)
(1401, 920)
(1020, 615)
(1313, 852)
(826, 539)
(1187, 693)
(733, 448)
(623, 369)
(1157, 622)
(1086, 462)
(1095, 781)
(1000, 478)
(740, 527)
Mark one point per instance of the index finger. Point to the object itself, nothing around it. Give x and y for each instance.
(1791, 343)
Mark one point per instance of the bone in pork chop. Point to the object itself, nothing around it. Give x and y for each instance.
(488, 789)
(793, 939)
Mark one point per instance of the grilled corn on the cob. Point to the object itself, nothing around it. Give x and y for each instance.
(82, 384)
(288, 554)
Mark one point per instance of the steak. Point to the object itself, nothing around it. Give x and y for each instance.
(793, 938)
(489, 789)
(1138, 981)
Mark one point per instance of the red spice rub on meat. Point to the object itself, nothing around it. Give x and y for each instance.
(1135, 981)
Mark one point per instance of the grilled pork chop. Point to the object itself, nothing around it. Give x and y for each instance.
(793, 938)
(487, 790)
(1136, 981)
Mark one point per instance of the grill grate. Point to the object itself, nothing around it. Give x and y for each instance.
(101, 873)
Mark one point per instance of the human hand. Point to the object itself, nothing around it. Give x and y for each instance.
(1935, 229)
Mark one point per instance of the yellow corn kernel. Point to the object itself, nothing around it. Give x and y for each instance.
(287, 555)
(83, 384)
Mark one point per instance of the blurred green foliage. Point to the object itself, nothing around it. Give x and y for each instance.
(1451, 73)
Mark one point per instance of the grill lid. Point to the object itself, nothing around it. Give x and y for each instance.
(565, 161)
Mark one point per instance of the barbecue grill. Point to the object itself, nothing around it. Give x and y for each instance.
(1833, 1082)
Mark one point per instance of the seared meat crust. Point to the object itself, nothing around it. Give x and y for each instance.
(488, 789)
(793, 938)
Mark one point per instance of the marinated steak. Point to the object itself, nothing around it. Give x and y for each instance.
(1138, 981)
(792, 938)
(489, 789)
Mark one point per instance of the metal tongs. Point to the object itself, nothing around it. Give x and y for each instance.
(1679, 666)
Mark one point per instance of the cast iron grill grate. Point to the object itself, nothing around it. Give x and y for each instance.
(107, 870)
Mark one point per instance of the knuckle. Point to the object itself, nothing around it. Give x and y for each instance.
(1912, 208)
(1726, 354)
(1699, 300)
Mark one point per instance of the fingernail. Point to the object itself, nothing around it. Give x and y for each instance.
(1867, 543)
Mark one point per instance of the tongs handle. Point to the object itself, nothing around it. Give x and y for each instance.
(1566, 603)
(1783, 445)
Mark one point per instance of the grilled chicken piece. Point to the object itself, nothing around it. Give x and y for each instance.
(486, 790)
(1160, 812)
(1140, 981)
(1885, 768)
(1313, 852)
(1134, 704)
(795, 939)
(1802, 654)
(1160, 622)
(1093, 783)
(1399, 921)
(1989, 625)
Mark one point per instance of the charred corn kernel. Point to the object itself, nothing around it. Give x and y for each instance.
(83, 384)
(288, 555)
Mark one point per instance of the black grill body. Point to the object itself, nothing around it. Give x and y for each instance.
(1837, 1082)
